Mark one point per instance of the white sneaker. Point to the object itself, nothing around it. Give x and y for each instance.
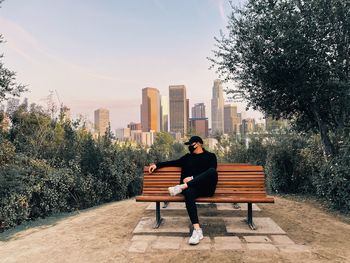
(197, 235)
(174, 190)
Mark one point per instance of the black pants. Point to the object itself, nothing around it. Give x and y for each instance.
(203, 184)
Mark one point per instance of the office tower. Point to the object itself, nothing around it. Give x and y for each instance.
(144, 138)
(198, 110)
(123, 134)
(178, 105)
(101, 121)
(164, 113)
(188, 113)
(248, 125)
(199, 126)
(217, 108)
(150, 110)
(272, 124)
(232, 119)
(134, 126)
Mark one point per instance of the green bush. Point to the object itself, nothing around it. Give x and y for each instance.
(333, 183)
(286, 171)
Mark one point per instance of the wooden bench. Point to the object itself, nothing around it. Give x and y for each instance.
(237, 183)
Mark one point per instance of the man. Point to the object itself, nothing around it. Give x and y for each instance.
(198, 178)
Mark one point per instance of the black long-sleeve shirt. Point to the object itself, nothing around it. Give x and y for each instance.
(192, 164)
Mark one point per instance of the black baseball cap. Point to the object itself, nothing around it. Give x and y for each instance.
(194, 139)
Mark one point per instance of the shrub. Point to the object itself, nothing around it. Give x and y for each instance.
(286, 171)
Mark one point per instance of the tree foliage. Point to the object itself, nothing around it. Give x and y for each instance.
(8, 85)
(291, 59)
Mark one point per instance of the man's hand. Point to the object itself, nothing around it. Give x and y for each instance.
(151, 168)
(187, 179)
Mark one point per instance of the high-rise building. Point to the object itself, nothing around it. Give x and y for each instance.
(198, 110)
(178, 106)
(217, 107)
(134, 126)
(232, 119)
(248, 125)
(272, 124)
(150, 110)
(144, 138)
(199, 126)
(101, 121)
(122, 134)
(164, 113)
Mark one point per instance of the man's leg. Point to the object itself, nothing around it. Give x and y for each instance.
(190, 196)
(205, 181)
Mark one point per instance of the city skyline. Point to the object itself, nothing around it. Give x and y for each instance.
(135, 45)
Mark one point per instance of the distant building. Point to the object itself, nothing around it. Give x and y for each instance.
(134, 126)
(144, 138)
(123, 134)
(273, 124)
(164, 114)
(198, 110)
(178, 107)
(248, 126)
(150, 109)
(176, 135)
(199, 126)
(101, 121)
(232, 120)
(217, 107)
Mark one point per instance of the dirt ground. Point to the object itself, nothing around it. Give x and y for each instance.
(103, 234)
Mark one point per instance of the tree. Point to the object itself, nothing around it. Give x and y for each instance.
(291, 59)
(8, 85)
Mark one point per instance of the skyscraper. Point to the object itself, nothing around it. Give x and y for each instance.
(101, 121)
(198, 110)
(178, 109)
(150, 109)
(164, 113)
(199, 126)
(217, 108)
(232, 119)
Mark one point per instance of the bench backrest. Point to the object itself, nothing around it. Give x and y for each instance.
(233, 180)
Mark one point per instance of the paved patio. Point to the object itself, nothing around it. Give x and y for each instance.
(221, 232)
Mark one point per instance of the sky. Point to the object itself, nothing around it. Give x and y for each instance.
(102, 53)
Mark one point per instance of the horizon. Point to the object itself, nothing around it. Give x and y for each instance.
(102, 50)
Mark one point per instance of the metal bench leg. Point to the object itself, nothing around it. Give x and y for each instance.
(250, 217)
(158, 217)
(165, 204)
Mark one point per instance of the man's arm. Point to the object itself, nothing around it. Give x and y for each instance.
(176, 163)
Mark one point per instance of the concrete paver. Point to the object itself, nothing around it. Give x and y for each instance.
(227, 243)
(282, 240)
(146, 238)
(168, 243)
(265, 225)
(138, 246)
(169, 225)
(257, 239)
(205, 244)
(260, 246)
(293, 248)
